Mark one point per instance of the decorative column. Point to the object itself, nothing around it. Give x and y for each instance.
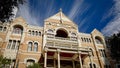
(45, 60)
(73, 63)
(54, 63)
(90, 57)
(79, 55)
(58, 55)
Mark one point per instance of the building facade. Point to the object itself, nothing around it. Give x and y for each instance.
(58, 44)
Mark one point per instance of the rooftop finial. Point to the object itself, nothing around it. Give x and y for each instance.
(60, 9)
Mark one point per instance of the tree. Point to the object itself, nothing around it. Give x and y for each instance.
(114, 43)
(6, 9)
(35, 65)
(4, 62)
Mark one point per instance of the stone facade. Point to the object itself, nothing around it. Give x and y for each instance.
(58, 44)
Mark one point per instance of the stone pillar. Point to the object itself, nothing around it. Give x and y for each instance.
(45, 60)
(80, 60)
(54, 63)
(58, 54)
(90, 56)
(73, 63)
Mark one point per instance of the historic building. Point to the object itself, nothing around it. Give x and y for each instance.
(58, 44)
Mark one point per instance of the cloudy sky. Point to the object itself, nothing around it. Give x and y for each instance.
(103, 15)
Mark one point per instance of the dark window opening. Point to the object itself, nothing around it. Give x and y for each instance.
(62, 33)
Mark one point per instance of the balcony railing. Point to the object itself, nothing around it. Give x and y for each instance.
(67, 46)
(60, 38)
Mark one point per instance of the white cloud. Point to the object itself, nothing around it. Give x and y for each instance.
(26, 14)
(114, 25)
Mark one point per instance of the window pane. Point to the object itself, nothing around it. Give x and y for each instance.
(13, 45)
(35, 47)
(9, 44)
(30, 46)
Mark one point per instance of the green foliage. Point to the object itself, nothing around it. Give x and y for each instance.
(35, 65)
(6, 8)
(4, 61)
(114, 42)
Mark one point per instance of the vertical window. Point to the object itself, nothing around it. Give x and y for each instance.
(18, 44)
(30, 46)
(94, 66)
(13, 45)
(82, 39)
(85, 39)
(29, 32)
(36, 33)
(39, 33)
(4, 29)
(1, 28)
(33, 33)
(89, 39)
(92, 52)
(90, 65)
(9, 44)
(35, 47)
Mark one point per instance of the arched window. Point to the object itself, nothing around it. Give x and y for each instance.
(13, 45)
(94, 66)
(39, 33)
(29, 32)
(35, 46)
(4, 29)
(50, 31)
(90, 65)
(92, 51)
(1, 28)
(98, 40)
(33, 33)
(61, 33)
(73, 34)
(17, 29)
(89, 40)
(9, 44)
(30, 46)
(18, 43)
(85, 39)
(82, 39)
(30, 62)
(36, 33)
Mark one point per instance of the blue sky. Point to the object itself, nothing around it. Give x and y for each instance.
(103, 15)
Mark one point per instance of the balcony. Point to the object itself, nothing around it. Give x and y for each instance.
(66, 46)
(52, 37)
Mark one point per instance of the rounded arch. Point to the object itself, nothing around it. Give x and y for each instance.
(98, 40)
(18, 29)
(61, 33)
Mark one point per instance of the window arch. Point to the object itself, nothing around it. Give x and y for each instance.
(92, 51)
(35, 46)
(30, 46)
(29, 32)
(33, 33)
(36, 33)
(98, 40)
(30, 62)
(17, 29)
(50, 31)
(92, 66)
(61, 33)
(39, 33)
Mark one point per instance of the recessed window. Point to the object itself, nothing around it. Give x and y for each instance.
(30, 46)
(61, 33)
(35, 46)
(17, 29)
(30, 62)
(98, 40)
